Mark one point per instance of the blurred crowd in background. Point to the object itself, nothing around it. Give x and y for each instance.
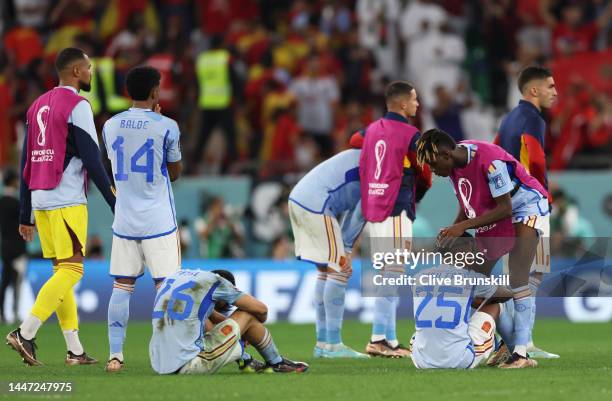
(268, 88)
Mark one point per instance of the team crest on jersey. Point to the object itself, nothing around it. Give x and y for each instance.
(499, 182)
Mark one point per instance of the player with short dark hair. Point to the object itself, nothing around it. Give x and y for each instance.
(391, 184)
(60, 145)
(522, 134)
(493, 189)
(144, 150)
(141, 81)
(191, 337)
(535, 73)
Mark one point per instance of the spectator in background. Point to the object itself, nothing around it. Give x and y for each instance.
(218, 82)
(131, 44)
(573, 35)
(31, 13)
(270, 214)
(447, 111)
(23, 45)
(276, 102)
(12, 246)
(358, 66)
(285, 140)
(184, 236)
(499, 26)
(282, 248)
(215, 16)
(8, 85)
(116, 16)
(352, 117)
(164, 61)
(95, 247)
(438, 54)
(418, 17)
(221, 234)
(535, 32)
(378, 32)
(317, 97)
(567, 227)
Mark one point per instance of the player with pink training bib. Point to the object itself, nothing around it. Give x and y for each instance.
(391, 184)
(492, 188)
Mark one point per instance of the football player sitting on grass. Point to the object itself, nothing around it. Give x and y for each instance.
(191, 337)
(448, 333)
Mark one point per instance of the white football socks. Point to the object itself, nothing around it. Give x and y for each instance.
(72, 342)
(30, 326)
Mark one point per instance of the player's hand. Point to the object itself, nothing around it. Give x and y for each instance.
(347, 266)
(157, 108)
(27, 232)
(448, 235)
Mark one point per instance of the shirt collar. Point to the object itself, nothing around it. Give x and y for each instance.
(526, 103)
(471, 150)
(395, 116)
(69, 87)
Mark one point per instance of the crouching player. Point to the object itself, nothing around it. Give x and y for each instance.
(328, 193)
(448, 334)
(492, 186)
(189, 337)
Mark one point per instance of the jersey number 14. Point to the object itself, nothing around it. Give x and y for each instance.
(146, 150)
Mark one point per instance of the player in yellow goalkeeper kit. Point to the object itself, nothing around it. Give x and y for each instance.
(61, 143)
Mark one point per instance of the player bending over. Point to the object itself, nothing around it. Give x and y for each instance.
(492, 187)
(143, 147)
(327, 194)
(449, 334)
(190, 337)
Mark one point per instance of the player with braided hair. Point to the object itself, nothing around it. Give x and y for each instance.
(493, 189)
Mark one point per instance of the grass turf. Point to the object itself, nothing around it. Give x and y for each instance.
(584, 371)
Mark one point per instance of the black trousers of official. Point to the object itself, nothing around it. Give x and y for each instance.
(211, 119)
(10, 277)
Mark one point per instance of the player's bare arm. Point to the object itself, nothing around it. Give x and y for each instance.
(174, 170)
(252, 305)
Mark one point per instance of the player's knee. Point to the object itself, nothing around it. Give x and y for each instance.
(128, 280)
(73, 270)
(341, 276)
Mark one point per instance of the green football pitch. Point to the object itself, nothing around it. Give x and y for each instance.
(584, 371)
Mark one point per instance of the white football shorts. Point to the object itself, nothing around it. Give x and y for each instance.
(395, 232)
(541, 262)
(482, 332)
(318, 238)
(161, 255)
(221, 347)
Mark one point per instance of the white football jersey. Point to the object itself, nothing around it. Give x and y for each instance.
(139, 144)
(441, 314)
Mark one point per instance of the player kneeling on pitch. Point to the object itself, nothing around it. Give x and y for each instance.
(190, 337)
(448, 334)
